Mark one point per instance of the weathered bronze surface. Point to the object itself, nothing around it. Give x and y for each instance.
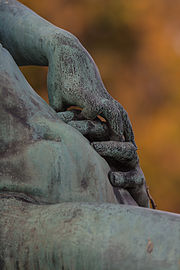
(58, 208)
(88, 236)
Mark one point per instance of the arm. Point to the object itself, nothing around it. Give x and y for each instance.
(73, 78)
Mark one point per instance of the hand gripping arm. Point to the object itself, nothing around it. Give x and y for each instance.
(73, 78)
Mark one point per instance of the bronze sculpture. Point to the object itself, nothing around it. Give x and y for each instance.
(54, 187)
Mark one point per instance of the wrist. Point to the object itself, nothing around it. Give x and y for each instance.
(57, 40)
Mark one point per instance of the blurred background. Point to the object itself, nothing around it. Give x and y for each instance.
(136, 46)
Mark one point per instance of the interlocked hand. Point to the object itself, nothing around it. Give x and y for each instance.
(121, 156)
(74, 80)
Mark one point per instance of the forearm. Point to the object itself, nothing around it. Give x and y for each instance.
(73, 78)
(32, 40)
(26, 35)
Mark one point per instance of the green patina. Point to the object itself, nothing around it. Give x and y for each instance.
(58, 208)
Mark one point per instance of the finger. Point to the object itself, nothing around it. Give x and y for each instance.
(134, 181)
(139, 194)
(118, 121)
(123, 152)
(114, 120)
(91, 129)
(68, 116)
(92, 110)
(107, 109)
(128, 131)
(130, 179)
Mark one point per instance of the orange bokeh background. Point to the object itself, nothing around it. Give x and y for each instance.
(136, 45)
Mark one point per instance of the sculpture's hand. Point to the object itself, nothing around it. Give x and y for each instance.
(73, 78)
(121, 156)
(125, 170)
